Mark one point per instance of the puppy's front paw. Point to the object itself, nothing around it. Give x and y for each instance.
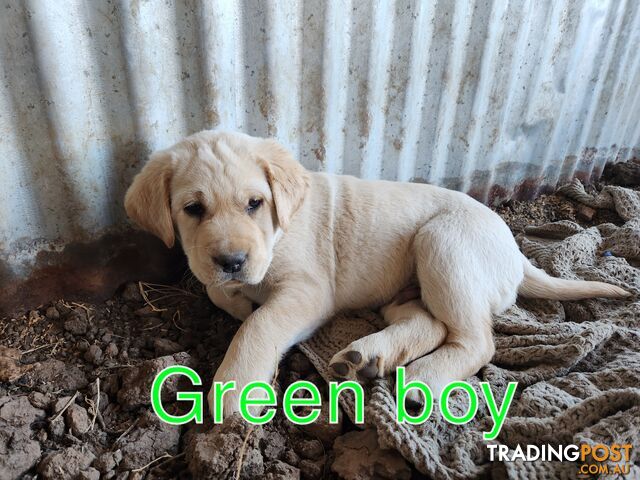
(227, 400)
(228, 403)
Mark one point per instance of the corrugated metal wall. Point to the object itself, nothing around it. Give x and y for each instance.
(492, 97)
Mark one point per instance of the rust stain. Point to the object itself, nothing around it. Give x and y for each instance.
(320, 153)
(583, 176)
(364, 121)
(266, 100)
(497, 194)
(212, 117)
(91, 270)
(588, 155)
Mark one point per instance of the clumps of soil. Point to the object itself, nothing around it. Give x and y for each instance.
(625, 174)
(75, 391)
(519, 214)
(75, 396)
(555, 207)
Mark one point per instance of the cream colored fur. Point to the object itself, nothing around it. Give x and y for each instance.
(323, 243)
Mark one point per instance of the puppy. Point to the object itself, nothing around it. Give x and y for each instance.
(257, 227)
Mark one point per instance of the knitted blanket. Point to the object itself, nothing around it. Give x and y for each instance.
(577, 364)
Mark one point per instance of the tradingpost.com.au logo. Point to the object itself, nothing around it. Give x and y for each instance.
(598, 459)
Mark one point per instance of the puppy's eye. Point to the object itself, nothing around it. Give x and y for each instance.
(254, 204)
(194, 209)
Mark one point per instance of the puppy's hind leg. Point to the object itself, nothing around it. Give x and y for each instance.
(412, 332)
(462, 281)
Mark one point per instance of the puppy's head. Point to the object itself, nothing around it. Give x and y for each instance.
(228, 195)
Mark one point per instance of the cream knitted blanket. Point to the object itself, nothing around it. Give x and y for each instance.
(577, 364)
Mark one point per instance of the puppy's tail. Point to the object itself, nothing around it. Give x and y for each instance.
(537, 284)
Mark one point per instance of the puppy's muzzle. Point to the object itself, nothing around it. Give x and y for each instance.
(231, 263)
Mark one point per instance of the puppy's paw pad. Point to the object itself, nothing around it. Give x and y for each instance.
(353, 356)
(340, 369)
(353, 365)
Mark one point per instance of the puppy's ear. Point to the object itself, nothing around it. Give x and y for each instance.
(147, 200)
(288, 179)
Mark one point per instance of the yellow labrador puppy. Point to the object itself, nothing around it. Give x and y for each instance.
(257, 227)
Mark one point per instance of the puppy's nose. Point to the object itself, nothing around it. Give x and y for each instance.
(231, 263)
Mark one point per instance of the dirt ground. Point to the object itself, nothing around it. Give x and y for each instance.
(75, 381)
